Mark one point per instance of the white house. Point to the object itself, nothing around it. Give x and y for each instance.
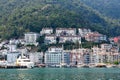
(106, 47)
(46, 31)
(74, 39)
(12, 48)
(50, 39)
(14, 41)
(30, 38)
(65, 31)
(83, 31)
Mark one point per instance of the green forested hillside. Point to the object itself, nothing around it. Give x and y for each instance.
(19, 16)
(109, 8)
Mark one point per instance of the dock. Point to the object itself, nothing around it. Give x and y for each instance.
(13, 67)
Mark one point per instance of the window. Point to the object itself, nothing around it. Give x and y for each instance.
(26, 60)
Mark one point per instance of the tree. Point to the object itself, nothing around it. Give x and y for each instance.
(40, 40)
(116, 62)
(57, 40)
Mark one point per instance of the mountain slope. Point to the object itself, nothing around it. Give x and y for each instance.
(19, 16)
(109, 8)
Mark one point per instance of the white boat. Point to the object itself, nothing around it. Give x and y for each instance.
(112, 66)
(101, 65)
(24, 61)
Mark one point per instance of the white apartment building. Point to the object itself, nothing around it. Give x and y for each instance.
(12, 57)
(74, 39)
(46, 31)
(95, 55)
(65, 31)
(12, 48)
(49, 39)
(55, 49)
(53, 58)
(82, 31)
(36, 57)
(56, 56)
(30, 38)
(106, 47)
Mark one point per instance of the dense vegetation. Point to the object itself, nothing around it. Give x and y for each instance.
(107, 7)
(19, 16)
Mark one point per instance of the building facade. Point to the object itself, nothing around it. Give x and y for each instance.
(53, 58)
(63, 39)
(36, 57)
(46, 31)
(12, 57)
(95, 37)
(65, 31)
(82, 31)
(31, 38)
(50, 39)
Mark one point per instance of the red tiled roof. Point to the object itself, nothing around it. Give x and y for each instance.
(94, 34)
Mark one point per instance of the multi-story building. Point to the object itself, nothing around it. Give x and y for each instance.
(66, 57)
(55, 49)
(106, 54)
(74, 39)
(77, 56)
(115, 57)
(49, 39)
(31, 38)
(82, 31)
(65, 31)
(12, 57)
(95, 55)
(87, 58)
(12, 47)
(95, 37)
(106, 47)
(36, 57)
(46, 31)
(53, 58)
(57, 56)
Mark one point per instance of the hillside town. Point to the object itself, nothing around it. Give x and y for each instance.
(103, 54)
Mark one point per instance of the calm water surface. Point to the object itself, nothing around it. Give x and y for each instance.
(60, 74)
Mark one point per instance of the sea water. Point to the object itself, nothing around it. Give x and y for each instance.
(61, 74)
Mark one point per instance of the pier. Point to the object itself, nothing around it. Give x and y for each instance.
(12, 67)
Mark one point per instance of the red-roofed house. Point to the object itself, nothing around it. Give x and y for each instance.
(117, 39)
(95, 37)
